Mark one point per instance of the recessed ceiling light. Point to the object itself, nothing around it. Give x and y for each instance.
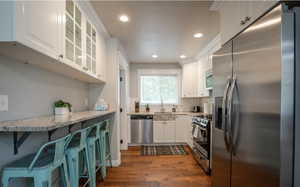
(182, 56)
(198, 35)
(124, 18)
(154, 56)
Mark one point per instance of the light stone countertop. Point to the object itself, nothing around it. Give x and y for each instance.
(48, 123)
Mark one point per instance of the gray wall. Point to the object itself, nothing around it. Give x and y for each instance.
(133, 73)
(31, 92)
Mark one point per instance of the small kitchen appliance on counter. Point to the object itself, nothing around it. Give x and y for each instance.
(196, 109)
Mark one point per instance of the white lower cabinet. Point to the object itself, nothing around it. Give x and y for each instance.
(164, 131)
(190, 135)
(158, 132)
(181, 126)
(179, 131)
(169, 131)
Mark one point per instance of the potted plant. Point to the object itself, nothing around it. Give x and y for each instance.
(147, 108)
(62, 108)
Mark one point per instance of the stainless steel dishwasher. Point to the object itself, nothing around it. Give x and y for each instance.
(141, 128)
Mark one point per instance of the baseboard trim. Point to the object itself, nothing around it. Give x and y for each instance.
(115, 163)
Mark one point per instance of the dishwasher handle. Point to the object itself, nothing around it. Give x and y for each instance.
(141, 117)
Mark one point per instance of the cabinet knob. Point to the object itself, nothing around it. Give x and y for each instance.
(61, 56)
(247, 18)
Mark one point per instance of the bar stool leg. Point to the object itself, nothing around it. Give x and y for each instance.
(5, 181)
(73, 170)
(92, 163)
(108, 148)
(89, 168)
(103, 155)
(40, 180)
(64, 174)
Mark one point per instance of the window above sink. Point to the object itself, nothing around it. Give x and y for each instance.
(159, 86)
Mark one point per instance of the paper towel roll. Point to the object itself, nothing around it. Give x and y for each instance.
(207, 108)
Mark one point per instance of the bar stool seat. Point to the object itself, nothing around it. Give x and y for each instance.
(40, 165)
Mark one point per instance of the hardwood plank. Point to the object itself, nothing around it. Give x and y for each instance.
(155, 171)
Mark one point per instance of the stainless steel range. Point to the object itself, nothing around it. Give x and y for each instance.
(202, 142)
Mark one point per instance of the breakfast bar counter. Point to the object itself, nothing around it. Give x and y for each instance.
(49, 123)
(21, 129)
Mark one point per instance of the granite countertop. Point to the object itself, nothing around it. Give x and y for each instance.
(176, 113)
(48, 123)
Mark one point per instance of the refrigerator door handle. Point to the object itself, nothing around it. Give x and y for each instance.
(224, 114)
(230, 113)
(236, 124)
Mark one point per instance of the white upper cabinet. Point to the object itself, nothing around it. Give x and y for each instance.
(203, 68)
(61, 36)
(190, 79)
(237, 15)
(90, 42)
(101, 58)
(73, 35)
(38, 25)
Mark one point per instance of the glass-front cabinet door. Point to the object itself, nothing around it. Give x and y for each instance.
(73, 35)
(91, 39)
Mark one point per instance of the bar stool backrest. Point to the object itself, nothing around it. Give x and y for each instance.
(59, 151)
(92, 131)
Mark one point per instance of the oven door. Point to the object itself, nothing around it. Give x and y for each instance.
(202, 160)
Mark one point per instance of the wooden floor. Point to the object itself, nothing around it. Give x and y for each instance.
(155, 171)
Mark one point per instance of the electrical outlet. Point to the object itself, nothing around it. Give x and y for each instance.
(3, 103)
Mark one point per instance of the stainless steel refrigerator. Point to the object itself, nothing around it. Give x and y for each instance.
(254, 95)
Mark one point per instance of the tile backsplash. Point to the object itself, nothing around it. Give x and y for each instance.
(185, 105)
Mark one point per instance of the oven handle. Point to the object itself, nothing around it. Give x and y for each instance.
(224, 113)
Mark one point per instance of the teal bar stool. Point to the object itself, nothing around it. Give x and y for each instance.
(100, 149)
(104, 146)
(92, 138)
(78, 147)
(40, 166)
(107, 141)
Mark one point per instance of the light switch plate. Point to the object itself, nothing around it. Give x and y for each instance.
(3, 103)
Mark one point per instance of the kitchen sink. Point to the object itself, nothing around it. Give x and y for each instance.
(164, 116)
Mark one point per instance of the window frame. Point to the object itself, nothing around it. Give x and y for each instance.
(160, 72)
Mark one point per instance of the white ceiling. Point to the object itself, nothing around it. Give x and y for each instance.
(157, 27)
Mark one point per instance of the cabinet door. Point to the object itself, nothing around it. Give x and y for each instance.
(42, 26)
(158, 132)
(189, 80)
(169, 131)
(189, 128)
(73, 35)
(91, 47)
(258, 8)
(101, 58)
(229, 20)
(181, 131)
(203, 68)
(185, 81)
